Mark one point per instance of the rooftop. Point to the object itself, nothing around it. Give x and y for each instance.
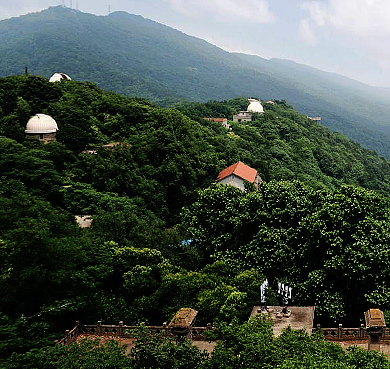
(240, 170)
(218, 120)
(41, 123)
(56, 77)
(184, 318)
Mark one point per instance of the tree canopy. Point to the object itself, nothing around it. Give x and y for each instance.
(163, 236)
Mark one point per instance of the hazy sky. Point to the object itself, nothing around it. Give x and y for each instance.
(349, 37)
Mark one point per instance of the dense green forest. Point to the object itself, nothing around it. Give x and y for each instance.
(164, 236)
(135, 56)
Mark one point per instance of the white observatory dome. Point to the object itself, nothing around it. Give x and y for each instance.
(56, 77)
(41, 123)
(255, 106)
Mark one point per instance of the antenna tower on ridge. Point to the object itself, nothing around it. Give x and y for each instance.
(71, 4)
(109, 9)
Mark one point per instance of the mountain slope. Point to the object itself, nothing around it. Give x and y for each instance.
(135, 56)
(135, 192)
(173, 152)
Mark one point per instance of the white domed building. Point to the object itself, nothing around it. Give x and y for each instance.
(246, 115)
(56, 77)
(255, 106)
(43, 127)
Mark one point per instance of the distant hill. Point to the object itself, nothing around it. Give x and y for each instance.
(132, 263)
(174, 152)
(128, 54)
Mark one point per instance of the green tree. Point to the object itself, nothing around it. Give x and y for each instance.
(280, 227)
(156, 351)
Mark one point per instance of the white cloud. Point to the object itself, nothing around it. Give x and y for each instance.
(318, 12)
(306, 33)
(357, 17)
(225, 10)
(13, 10)
(359, 25)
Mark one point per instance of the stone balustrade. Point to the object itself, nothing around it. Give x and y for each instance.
(198, 333)
(70, 336)
(349, 334)
(123, 331)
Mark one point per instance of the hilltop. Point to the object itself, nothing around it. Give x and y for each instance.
(134, 56)
(163, 235)
(281, 144)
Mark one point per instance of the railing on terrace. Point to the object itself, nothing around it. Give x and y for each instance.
(123, 331)
(349, 334)
(198, 333)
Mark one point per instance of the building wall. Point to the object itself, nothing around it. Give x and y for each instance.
(234, 181)
(44, 137)
(257, 181)
(242, 117)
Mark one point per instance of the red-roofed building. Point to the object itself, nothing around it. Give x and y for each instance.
(237, 174)
(222, 121)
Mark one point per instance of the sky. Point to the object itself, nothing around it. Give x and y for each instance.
(348, 37)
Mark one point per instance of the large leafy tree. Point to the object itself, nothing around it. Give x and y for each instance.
(39, 253)
(332, 247)
(349, 237)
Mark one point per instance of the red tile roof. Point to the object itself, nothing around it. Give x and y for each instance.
(240, 170)
(218, 120)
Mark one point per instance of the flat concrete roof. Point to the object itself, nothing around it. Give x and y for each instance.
(301, 317)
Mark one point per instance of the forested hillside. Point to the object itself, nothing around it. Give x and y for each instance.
(134, 56)
(320, 216)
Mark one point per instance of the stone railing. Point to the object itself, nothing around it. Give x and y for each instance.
(70, 336)
(198, 333)
(123, 331)
(349, 334)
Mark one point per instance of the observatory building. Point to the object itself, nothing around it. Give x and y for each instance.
(43, 127)
(246, 115)
(255, 106)
(242, 116)
(56, 77)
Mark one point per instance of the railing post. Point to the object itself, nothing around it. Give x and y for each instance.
(340, 332)
(99, 329)
(361, 331)
(121, 329)
(383, 333)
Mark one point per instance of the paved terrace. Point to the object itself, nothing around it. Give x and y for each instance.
(301, 317)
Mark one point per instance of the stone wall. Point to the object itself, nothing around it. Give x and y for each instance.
(123, 331)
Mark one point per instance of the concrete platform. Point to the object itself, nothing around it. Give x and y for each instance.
(301, 317)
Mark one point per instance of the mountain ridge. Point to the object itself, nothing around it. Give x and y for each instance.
(135, 56)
